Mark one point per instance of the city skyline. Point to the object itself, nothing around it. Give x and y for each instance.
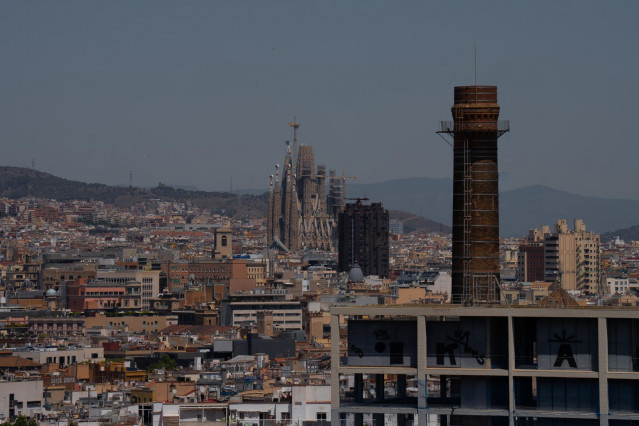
(199, 94)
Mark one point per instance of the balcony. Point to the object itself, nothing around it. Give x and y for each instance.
(452, 127)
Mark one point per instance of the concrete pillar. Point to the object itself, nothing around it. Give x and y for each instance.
(489, 354)
(379, 387)
(378, 419)
(511, 367)
(359, 387)
(421, 371)
(401, 385)
(443, 387)
(602, 345)
(401, 420)
(335, 367)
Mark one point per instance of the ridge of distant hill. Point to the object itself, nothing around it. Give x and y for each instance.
(413, 223)
(627, 234)
(520, 209)
(18, 182)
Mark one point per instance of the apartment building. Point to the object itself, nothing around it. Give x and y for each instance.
(149, 280)
(243, 309)
(18, 398)
(568, 257)
(61, 356)
(103, 296)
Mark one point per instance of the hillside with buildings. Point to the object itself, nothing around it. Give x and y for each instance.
(414, 223)
(422, 203)
(626, 234)
(20, 182)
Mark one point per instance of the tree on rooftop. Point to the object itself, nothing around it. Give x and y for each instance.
(165, 362)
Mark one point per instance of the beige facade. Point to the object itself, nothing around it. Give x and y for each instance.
(316, 324)
(64, 357)
(21, 398)
(150, 281)
(287, 315)
(265, 323)
(133, 324)
(257, 271)
(223, 245)
(51, 277)
(410, 295)
(572, 257)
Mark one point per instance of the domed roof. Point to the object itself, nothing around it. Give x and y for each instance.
(356, 275)
(51, 292)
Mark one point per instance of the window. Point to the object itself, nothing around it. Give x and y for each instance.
(224, 241)
(321, 416)
(396, 353)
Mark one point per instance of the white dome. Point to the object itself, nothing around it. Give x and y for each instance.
(356, 275)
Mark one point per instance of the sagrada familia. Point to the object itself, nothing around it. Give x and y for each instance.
(300, 213)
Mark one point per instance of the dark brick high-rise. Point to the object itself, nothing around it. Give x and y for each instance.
(475, 129)
(363, 238)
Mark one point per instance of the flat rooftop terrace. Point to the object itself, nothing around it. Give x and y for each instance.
(487, 311)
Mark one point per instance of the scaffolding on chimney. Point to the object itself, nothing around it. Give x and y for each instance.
(478, 288)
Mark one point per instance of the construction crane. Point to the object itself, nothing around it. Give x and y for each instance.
(343, 178)
(295, 125)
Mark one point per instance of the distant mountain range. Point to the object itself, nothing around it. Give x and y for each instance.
(520, 209)
(422, 203)
(626, 234)
(418, 223)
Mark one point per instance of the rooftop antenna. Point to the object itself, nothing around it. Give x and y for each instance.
(475, 72)
(353, 258)
(475, 64)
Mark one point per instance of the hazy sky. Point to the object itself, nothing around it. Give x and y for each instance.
(197, 92)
